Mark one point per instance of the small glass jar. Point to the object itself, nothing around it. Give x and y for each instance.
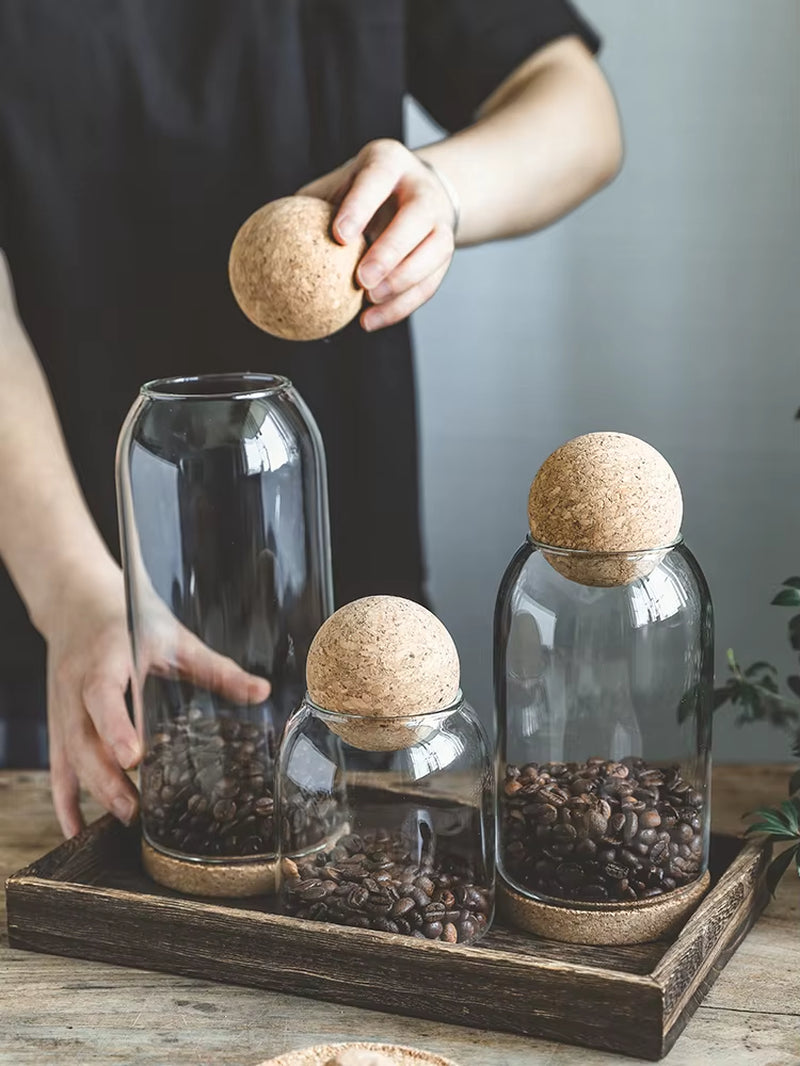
(224, 529)
(604, 698)
(388, 827)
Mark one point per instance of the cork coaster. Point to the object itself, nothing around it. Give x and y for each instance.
(603, 923)
(358, 1055)
(224, 879)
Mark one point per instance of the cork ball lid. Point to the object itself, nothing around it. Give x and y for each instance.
(383, 657)
(288, 274)
(605, 493)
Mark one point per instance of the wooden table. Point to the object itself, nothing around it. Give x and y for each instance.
(68, 1012)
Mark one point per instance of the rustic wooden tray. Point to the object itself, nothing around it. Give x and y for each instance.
(89, 898)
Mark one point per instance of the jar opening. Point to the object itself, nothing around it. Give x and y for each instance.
(372, 718)
(589, 553)
(237, 386)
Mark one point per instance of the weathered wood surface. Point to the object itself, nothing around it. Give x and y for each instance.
(68, 1011)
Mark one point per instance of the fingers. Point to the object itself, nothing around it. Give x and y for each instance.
(400, 307)
(66, 792)
(196, 662)
(379, 168)
(82, 756)
(409, 228)
(434, 252)
(105, 702)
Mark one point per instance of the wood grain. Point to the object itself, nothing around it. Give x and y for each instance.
(69, 1011)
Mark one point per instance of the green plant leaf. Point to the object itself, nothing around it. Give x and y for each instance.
(794, 783)
(791, 811)
(794, 632)
(762, 827)
(794, 684)
(792, 582)
(778, 867)
(773, 820)
(758, 666)
(732, 660)
(787, 598)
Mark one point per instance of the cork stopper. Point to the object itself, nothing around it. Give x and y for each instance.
(611, 496)
(388, 662)
(288, 274)
(358, 1054)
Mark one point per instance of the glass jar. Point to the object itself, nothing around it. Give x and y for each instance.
(392, 831)
(225, 544)
(604, 716)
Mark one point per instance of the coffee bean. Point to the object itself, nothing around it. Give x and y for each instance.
(631, 827)
(449, 933)
(650, 819)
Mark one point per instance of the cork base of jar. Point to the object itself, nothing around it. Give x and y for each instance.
(324, 1054)
(603, 923)
(220, 879)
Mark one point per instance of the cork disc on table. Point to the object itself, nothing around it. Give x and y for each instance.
(220, 879)
(612, 499)
(348, 1055)
(603, 923)
(381, 664)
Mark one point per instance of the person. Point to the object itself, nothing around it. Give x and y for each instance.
(135, 137)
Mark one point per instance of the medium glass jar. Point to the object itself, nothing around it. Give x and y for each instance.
(224, 529)
(389, 827)
(604, 716)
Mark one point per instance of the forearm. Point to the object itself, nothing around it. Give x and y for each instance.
(47, 535)
(547, 139)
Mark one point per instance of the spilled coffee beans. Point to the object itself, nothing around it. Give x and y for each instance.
(600, 831)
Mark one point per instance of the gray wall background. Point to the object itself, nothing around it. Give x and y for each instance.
(667, 307)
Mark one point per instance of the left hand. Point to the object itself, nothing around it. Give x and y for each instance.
(386, 193)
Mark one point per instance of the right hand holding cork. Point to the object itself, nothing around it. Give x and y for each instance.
(299, 267)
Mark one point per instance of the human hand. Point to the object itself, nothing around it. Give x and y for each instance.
(89, 666)
(389, 195)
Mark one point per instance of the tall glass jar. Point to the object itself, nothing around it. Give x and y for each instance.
(389, 826)
(225, 544)
(604, 715)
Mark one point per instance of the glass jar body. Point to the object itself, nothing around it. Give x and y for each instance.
(400, 840)
(604, 727)
(224, 530)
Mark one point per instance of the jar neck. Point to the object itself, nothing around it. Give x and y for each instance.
(431, 716)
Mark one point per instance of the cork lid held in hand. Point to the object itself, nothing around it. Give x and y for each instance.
(382, 658)
(609, 494)
(358, 1054)
(289, 275)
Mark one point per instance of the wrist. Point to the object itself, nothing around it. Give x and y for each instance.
(68, 579)
(447, 186)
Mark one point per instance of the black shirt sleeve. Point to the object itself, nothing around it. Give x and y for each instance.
(459, 51)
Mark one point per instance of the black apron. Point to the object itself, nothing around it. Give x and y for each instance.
(137, 135)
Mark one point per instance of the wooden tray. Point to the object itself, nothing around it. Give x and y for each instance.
(89, 898)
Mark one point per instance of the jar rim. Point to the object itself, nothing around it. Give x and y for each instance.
(339, 715)
(584, 553)
(243, 385)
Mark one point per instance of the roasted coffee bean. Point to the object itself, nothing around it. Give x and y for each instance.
(396, 903)
(631, 827)
(434, 912)
(623, 813)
